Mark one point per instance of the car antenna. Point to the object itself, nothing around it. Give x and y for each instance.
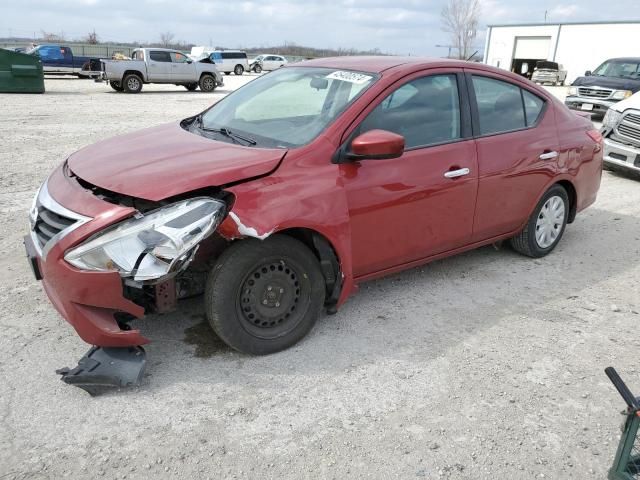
(472, 55)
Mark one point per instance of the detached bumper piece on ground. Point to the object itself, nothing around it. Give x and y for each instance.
(103, 369)
(626, 465)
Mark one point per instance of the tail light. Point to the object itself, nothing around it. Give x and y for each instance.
(597, 137)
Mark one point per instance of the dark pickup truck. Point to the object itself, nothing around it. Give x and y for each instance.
(614, 80)
(60, 60)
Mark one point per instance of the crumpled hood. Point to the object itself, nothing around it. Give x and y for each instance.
(164, 161)
(608, 82)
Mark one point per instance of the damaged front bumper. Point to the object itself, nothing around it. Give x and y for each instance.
(90, 301)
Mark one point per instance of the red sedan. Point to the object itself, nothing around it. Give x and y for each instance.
(282, 197)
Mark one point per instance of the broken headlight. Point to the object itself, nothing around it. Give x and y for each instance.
(153, 245)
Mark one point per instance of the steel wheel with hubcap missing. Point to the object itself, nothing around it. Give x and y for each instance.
(268, 299)
(263, 296)
(546, 225)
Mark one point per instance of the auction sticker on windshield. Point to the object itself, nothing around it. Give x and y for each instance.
(352, 77)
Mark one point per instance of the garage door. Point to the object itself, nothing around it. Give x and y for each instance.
(532, 47)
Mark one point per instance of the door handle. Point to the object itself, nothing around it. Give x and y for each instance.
(461, 172)
(548, 155)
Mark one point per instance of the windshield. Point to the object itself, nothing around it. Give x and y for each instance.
(618, 68)
(285, 108)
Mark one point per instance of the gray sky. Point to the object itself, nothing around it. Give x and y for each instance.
(394, 26)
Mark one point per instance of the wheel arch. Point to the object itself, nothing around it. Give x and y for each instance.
(328, 257)
(129, 72)
(573, 198)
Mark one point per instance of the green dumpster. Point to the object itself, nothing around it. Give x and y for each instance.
(20, 73)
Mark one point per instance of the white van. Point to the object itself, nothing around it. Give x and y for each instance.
(226, 61)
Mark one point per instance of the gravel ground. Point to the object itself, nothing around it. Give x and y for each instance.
(487, 365)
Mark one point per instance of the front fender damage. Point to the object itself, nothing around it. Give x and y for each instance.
(241, 230)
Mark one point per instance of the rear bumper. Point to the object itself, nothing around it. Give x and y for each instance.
(87, 300)
(620, 156)
(599, 106)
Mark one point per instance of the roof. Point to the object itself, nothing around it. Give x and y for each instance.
(377, 64)
(624, 59)
(557, 24)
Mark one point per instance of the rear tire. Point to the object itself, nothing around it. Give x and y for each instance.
(263, 296)
(239, 70)
(117, 86)
(191, 86)
(132, 83)
(207, 83)
(546, 225)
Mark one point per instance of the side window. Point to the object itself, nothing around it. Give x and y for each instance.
(51, 53)
(532, 107)
(225, 55)
(503, 107)
(158, 56)
(500, 106)
(425, 111)
(177, 57)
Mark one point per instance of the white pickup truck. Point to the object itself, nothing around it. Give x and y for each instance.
(621, 132)
(160, 65)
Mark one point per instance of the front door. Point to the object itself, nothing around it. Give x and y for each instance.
(420, 204)
(182, 69)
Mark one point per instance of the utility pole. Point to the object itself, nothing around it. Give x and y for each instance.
(447, 46)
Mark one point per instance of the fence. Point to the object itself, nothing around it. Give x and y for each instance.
(104, 50)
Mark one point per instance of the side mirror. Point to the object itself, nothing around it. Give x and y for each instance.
(587, 73)
(376, 145)
(189, 60)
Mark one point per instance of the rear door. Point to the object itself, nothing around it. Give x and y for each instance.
(420, 204)
(271, 62)
(517, 146)
(159, 66)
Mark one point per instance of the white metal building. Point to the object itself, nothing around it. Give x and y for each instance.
(578, 47)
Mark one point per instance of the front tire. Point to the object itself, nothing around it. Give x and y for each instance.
(207, 83)
(132, 83)
(545, 226)
(264, 296)
(257, 69)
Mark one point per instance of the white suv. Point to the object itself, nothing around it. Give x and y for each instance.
(267, 63)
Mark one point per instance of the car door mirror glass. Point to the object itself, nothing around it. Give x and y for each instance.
(376, 145)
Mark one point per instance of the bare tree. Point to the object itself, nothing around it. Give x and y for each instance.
(166, 38)
(460, 19)
(52, 37)
(92, 38)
